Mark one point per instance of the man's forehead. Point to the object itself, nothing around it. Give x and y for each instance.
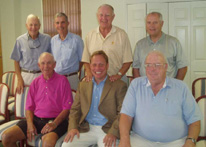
(33, 20)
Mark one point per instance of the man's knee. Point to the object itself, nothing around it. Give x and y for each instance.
(49, 140)
(12, 135)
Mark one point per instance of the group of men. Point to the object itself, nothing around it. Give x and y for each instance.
(156, 110)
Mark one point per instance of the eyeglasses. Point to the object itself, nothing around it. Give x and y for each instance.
(155, 65)
(33, 44)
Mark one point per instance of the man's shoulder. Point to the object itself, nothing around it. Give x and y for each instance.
(23, 36)
(171, 38)
(118, 83)
(75, 36)
(55, 37)
(43, 35)
(176, 83)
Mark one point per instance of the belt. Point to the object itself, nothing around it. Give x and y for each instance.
(45, 119)
(30, 71)
(71, 74)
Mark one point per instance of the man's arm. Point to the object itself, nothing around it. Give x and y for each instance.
(20, 84)
(31, 129)
(88, 72)
(123, 71)
(135, 72)
(125, 124)
(181, 73)
(60, 118)
(193, 132)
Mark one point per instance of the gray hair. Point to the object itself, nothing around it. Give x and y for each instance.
(156, 13)
(160, 54)
(61, 14)
(106, 5)
(44, 54)
(32, 16)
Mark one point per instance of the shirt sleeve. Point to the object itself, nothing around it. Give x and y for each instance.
(16, 53)
(136, 61)
(127, 56)
(67, 95)
(86, 55)
(129, 103)
(80, 46)
(191, 110)
(181, 59)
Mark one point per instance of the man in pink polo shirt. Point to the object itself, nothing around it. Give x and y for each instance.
(47, 107)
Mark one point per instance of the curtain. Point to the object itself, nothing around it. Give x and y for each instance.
(72, 8)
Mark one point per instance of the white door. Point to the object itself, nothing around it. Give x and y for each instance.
(179, 27)
(198, 39)
(136, 25)
(136, 22)
(187, 22)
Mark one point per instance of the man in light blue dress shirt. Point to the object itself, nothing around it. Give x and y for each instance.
(67, 50)
(94, 116)
(161, 110)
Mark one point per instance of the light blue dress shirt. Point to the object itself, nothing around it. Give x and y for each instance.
(168, 45)
(27, 50)
(94, 117)
(67, 53)
(164, 117)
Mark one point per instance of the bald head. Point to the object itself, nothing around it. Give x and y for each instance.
(106, 5)
(156, 53)
(46, 55)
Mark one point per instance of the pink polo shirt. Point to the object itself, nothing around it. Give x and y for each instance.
(47, 98)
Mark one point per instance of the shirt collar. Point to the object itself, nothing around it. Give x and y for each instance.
(28, 37)
(159, 41)
(112, 30)
(67, 37)
(52, 77)
(102, 82)
(164, 85)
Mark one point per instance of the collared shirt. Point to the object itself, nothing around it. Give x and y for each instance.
(67, 53)
(48, 98)
(163, 117)
(27, 50)
(116, 45)
(94, 117)
(168, 45)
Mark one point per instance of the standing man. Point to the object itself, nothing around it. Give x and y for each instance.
(27, 50)
(67, 49)
(47, 107)
(161, 110)
(157, 40)
(112, 40)
(94, 117)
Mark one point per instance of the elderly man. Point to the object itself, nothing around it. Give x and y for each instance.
(157, 40)
(94, 116)
(161, 110)
(112, 40)
(67, 49)
(27, 50)
(47, 107)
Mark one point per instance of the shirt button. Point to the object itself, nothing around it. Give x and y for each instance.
(45, 87)
(96, 97)
(46, 93)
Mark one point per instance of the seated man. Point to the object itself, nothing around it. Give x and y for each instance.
(47, 107)
(161, 110)
(94, 116)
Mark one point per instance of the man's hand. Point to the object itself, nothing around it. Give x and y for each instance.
(109, 139)
(20, 86)
(115, 77)
(31, 132)
(48, 128)
(88, 77)
(189, 143)
(70, 135)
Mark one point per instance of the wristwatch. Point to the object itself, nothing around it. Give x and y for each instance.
(119, 73)
(192, 139)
